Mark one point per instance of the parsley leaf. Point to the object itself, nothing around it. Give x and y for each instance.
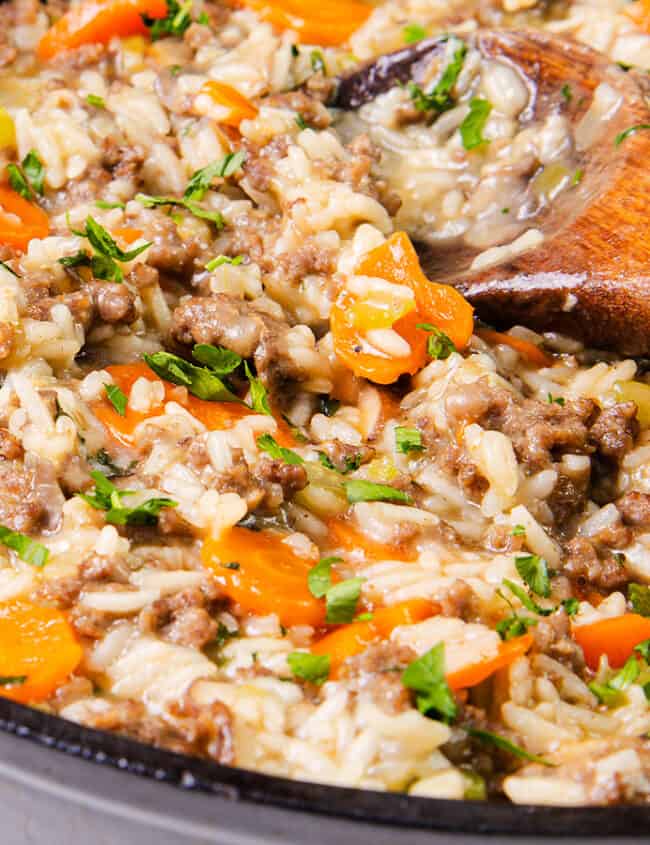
(567, 93)
(413, 33)
(556, 400)
(266, 443)
(439, 345)
(6, 267)
(440, 99)
(176, 22)
(12, 680)
(28, 178)
(639, 597)
(106, 204)
(317, 61)
(644, 650)
(533, 570)
(117, 399)
(426, 676)
(301, 123)
(200, 381)
(341, 601)
(524, 598)
(408, 440)
(309, 667)
(200, 182)
(108, 498)
(223, 259)
(259, 397)
(360, 490)
(191, 206)
(319, 578)
(514, 626)
(605, 694)
(223, 361)
(506, 745)
(96, 101)
(27, 549)
(518, 531)
(103, 262)
(471, 129)
(572, 606)
(632, 130)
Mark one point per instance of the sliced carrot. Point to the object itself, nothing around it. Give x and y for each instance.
(352, 639)
(238, 107)
(32, 221)
(342, 534)
(639, 12)
(96, 22)
(215, 416)
(352, 348)
(127, 235)
(328, 22)
(441, 305)
(614, 637)
(261, 573)
(475, 673)
(525, 348)
(38, 645)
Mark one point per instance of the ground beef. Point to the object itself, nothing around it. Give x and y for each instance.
(569, 497)
(378, 671)
(89, 623)
(291, 479)
(22, 503)
(168, 252)
(201, 731)
(320, 87)
(185, 618)
(458, 600)
(62, 593)
(10, 448)
(142, 276)
(98, 568)
(123, 162)
(79, 303)
(78, 58)
(311, 109)
(310, 258)
(7, 333)
(260, 161)
(114, 302)
(615, 430)
(634, 508)
(241, 326)
(589, 565)
(552, 636)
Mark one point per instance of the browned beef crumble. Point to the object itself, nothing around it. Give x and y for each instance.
(552, 636)
(634, 508)
(310, 108)
(615, 430)
(594, 566)
(10, 448)
(378, 671)
(185, 618)
(23, 505)
(7, 334)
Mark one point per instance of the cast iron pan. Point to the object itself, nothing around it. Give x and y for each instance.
(238, 785)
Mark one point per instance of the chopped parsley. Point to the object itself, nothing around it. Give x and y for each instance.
(439, 99)
(350, 463)
(202, 179)
(223, 259)
(259, 396)
(471, 129)
(203, 19)
(360, 490)
(408, 440)
(577, 177)
(413, 33)
(176, 22)
(106, 253)
(341, 601)
(639, 597)
(490, 738)
(219, 359)
(6, 267)
(117, 398)
(644, 650)
(317, 61)
(518, 531)
(300, 121)
(107, 497)
(28, 178)
(193, 207)
(27, 549)
(610, 693)
(96, 101)
(426, 677)
(202, 382)
(439, 345)
(314, 668)
(319, 578)
(627, 133)
(533, 571)
(567, 93)
(266, 443)
(556, 400)
(514, 626)
(572, 606)
(524, 598)
(107, 205)
(12, 680)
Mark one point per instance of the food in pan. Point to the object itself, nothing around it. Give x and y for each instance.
(270, 493)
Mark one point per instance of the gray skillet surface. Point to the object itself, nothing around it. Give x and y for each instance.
(61, 784)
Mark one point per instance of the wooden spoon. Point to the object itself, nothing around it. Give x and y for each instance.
(590, 277)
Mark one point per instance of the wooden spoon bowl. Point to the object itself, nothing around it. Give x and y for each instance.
(590, 277)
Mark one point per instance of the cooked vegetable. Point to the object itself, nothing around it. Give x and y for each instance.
(329, 22)
(27, 178)
(471, 129)
(309, 667)
(33, 221)
(343, 535)
(408, 440)
(360, 490)
(202, 179)
(176, 21)
(39, 651)
(201, 382)
(27, 549)
(107, 497)
(637, 392)
(270, 578)
(426, 676)
(319, 578)
(96, 22)
(533, 570)
(525, 348)
(639, 597)
(506, 745)
(475, 673)
(616, 638)
(236, 106)
(107, 252)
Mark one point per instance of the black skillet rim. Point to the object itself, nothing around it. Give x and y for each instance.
(241, 785)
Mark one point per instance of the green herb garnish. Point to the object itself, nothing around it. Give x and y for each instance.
(439, 345)
(117, 398)
(506, 745)
(27, 549)
(96, 101)
(202, 179)
(471, 129)
(439, 99)
(627, 133)
(408, 440)
(426, 676)
(360, 490)
(314, 668)
(176, 22)
(639, 597)
(413, 33)
(259, 396)
(202, 382)
(107, 497)
(533, 571)
(27, 179)
(266, 443)
(223, 259)
(341, 601)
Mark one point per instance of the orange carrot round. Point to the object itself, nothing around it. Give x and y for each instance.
(614, 637)
(32, 223)
(525, 348)
(239, 107)
(263, 575)
(441, 305)
(328, 22)
(96, 22)
(39, 646)
(475, 673)
(342, 534)
(354, 638)
(352, 348)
